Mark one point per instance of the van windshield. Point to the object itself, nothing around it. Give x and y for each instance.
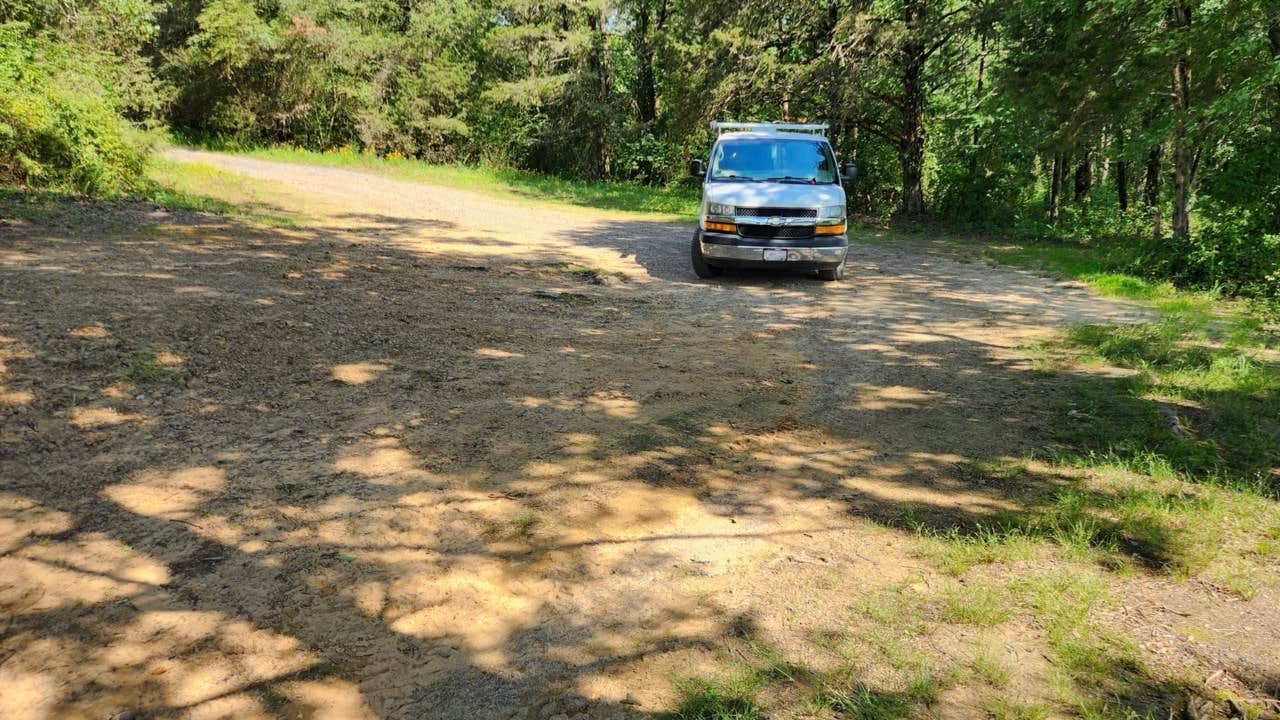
(775, 160)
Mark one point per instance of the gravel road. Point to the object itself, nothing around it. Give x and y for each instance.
(430, 453)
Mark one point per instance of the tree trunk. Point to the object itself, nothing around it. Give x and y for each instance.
(977, 104)
(911, 144)
(1151, 183)
(1083, 180)
(646, 89)
(1055, 188)
(598, 62)
(1273, 35)
(1182, 153)
(1122, 184)
(1122, 172)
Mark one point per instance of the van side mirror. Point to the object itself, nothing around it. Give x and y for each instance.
(697, 169)
(849, 172)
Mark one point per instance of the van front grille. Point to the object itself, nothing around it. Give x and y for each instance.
(769, 232)
(776, 212)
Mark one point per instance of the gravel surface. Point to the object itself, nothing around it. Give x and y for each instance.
(436, 454)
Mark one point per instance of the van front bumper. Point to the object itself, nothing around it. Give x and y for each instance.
(814, 253)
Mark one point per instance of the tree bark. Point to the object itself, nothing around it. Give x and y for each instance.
(1183, 157)
(1151, 183)
(1055, 187)
(1083, 180)
(1273, 36)
(911, 145)
(1122, 184)
(646, 88)
(1122, 173)
(977, 104)
(598, 62)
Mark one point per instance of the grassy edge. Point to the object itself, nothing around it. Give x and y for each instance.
(675, 202)
(167, 185)
(1102, 269)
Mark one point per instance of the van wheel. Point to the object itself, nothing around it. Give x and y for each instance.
(833, 273)
(700, 266)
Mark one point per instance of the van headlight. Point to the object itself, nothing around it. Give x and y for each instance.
(831, 215)
(830, 220)
(718, 210)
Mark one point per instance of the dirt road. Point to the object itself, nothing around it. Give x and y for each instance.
(432, 454)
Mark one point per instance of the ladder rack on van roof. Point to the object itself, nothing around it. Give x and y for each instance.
(724, 127)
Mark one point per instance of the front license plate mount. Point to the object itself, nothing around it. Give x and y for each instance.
(775, 255)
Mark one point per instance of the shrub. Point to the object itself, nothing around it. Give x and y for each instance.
(60, 123)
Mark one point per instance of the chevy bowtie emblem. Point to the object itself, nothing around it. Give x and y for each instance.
(775, 221)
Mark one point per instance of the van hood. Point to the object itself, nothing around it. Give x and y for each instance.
(763, 194)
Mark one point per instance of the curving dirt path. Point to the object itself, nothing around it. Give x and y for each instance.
(433, 454)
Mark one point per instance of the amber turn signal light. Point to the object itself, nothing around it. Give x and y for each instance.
(719, 226)
(829, 229)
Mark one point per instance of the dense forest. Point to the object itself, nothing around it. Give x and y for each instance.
(1153, 127)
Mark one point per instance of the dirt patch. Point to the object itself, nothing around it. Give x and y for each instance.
(434, 455)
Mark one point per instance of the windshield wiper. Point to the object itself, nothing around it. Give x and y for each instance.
(793, 179)
(733, 177)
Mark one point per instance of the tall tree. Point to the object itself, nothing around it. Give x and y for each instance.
(898, 54)
(1184, 155)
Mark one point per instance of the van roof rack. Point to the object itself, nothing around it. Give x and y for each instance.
(724, 127)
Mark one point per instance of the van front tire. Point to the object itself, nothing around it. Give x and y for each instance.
(832, 274)
(700, 266)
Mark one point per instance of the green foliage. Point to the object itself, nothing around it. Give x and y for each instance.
(61, 123)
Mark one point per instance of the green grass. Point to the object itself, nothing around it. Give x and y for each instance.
(732, 699)
(173, 186)
(520, 525)
(1113, 266)
(178, 186)
(1100, 674)
(1202, 403)
(990, 668)
(912, 685)
(1115, 523)
(1004, 709)
(919, 688)
(507, 183)
(146, 367)
(892, 666)
(143, 367)
(1168, 441)
(1102, 267)
(955, 550)
(976, 605)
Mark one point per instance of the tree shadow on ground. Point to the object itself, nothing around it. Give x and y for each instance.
(251, 471)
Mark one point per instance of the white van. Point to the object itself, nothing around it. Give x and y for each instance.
(772, 197)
